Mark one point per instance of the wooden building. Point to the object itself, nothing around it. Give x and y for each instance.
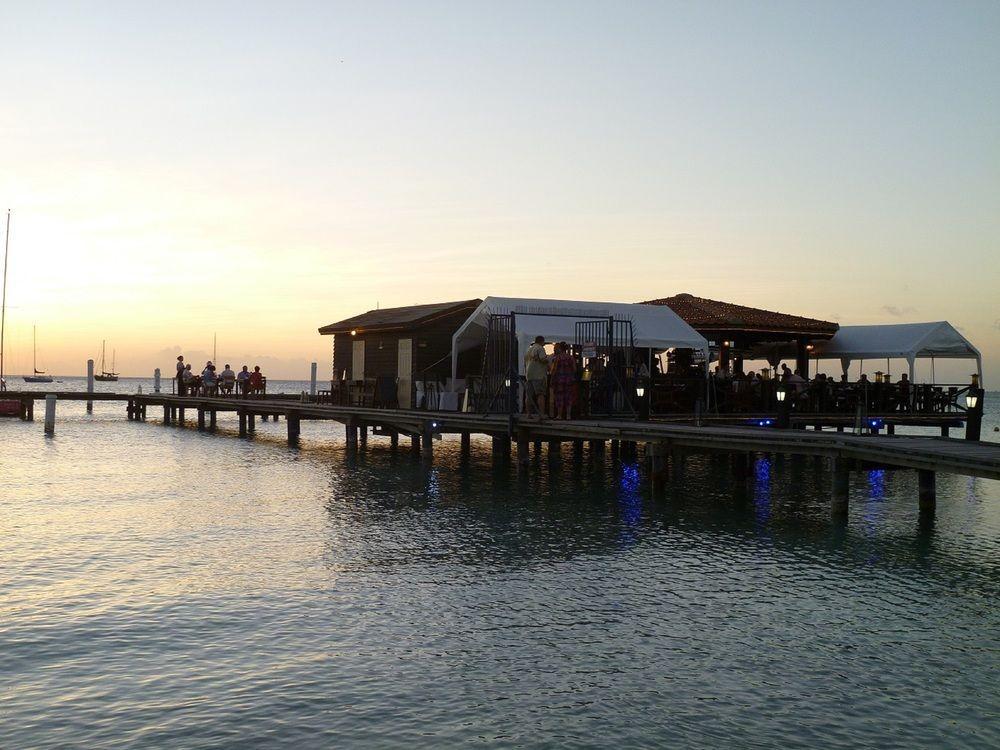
(399, 345)
(734, 330)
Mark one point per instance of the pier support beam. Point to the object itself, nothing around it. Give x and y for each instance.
(292, 420)
(351, 435)
(180, 416)
(251, 423)
(50, 414)
(243, 423)
(415, 444)
(394, 440)
(363, 436)
(466, 448)
(90, 384)
(166, 415)
(427, 443)
(523, 457)
(657, 456)
(927, 491)
(555, 450)
(201, 419)
(840, 489)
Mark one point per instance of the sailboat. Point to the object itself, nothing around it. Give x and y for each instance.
(107, 376)
(39, 376)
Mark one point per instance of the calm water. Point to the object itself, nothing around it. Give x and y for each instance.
(165, 588)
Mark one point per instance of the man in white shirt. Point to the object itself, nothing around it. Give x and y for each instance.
(536, 369)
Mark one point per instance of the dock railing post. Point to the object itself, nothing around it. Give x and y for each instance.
(90, 384)
(50, 414)
(312, 380)
(156, 380)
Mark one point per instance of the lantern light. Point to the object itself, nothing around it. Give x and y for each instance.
(781, 393)
(354, 332)
(640, 391)
(506, 383)
(971, 400)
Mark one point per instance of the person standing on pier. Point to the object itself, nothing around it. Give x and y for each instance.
(536, 368)
(181, 389)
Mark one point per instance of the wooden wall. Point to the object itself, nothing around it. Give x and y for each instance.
(431, 350)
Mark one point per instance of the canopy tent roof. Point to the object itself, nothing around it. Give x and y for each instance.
(713, 316)
(652, 327)
(907, 340)
(397, 318)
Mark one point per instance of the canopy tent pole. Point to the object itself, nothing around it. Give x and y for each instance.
(933, 371)
(913, 368)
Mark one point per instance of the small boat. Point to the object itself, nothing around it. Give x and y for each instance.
(107, 376)
(39, 375)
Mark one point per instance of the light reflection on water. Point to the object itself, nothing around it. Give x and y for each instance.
(162, 587)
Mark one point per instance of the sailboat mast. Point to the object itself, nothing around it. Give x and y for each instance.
(3, 305)
(34, 349)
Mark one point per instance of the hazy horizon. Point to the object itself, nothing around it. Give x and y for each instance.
(256, 172)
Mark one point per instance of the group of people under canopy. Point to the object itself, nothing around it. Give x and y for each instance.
(656, 330)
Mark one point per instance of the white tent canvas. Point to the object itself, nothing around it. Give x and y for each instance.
(904, 340)
(654, 327)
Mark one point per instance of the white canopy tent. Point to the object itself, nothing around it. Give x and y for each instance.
(903, 340)
(654, 327)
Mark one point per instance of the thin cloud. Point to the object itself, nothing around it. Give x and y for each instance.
(897, 312)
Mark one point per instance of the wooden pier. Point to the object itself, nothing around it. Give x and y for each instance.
(658, 441)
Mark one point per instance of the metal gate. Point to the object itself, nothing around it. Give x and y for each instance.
(609, 382)
(498, 386)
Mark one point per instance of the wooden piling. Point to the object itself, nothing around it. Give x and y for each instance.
(90, 384)
(50, 414)
(394, 440)
(657, 456)
(841, 486)
(927, 491)
(243, 423)
(292, 420)
(427, 443)
(201, 419)
(251, 423)
(415, 443)
(363, 436)
(523, 459)
(466, 446)
(351, 435)
(166, 414)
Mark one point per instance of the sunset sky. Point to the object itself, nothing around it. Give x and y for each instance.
(256, 170)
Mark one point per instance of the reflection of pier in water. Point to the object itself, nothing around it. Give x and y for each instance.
(666, 446)
(487, 516)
